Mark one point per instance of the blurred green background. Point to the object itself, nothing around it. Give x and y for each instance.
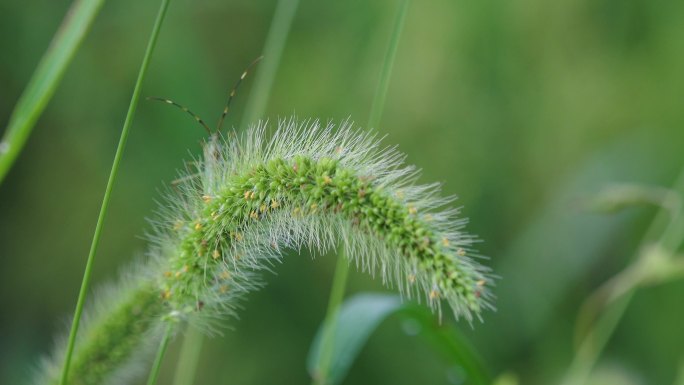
(524, 109)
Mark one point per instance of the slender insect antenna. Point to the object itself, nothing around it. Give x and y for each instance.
(234, 90)
(195, 116)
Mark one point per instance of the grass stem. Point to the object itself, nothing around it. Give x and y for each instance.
(383, 85)
(273, 51)
(154, 372)
(85, 283)
(665, 235)
(330, 323)
(189, 357)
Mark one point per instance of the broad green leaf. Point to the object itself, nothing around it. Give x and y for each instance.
(360, 316)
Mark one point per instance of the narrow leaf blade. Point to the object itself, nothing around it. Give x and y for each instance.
(45, 79)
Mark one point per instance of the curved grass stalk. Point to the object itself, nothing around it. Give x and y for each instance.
(657, 262)
(308, 186)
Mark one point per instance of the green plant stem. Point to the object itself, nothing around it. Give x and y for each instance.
(334, 302)
(595, 340)
(665, 235)
(189, 357)
(45, 79)
(342, 267)
(273, 50)
(154, 372)
(85, 283)
(383, 85)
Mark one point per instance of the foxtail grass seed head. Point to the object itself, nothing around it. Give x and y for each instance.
(248, 198)
(309, 185)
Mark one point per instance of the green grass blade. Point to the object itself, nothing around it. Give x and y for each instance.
(386, 73)
(85, 283)
(361, 315)
(351, 326)
(452, 344)
(45, 79)
(273, 50)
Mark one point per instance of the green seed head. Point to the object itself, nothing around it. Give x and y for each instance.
(312, 186)
(248, 199)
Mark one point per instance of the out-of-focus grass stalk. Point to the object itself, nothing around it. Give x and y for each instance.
(657, 262)
(154, 372)
(45, 79)
(595, 340)
(330, 322)
(383, 84)
(188, 358)
(85, 283)
(342, 265)
(273, 50)
(255, 108)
